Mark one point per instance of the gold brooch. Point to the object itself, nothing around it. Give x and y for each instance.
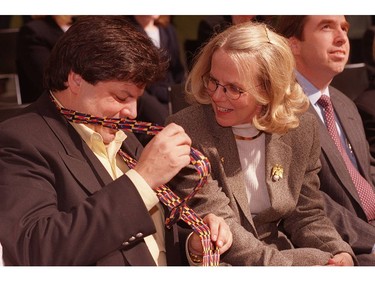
(277, 172)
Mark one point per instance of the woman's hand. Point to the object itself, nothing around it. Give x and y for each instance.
(341, 259)
(221, 235)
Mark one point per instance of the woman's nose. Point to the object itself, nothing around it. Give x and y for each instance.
(219, 93)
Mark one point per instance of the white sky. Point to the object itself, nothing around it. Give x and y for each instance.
(188, 7)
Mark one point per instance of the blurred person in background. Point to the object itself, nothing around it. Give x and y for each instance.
(153, 106)
(35, 41)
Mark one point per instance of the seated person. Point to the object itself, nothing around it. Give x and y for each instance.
(320, 46)
(35, 41)
(250, 122)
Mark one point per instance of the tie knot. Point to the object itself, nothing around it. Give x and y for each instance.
(324, 101)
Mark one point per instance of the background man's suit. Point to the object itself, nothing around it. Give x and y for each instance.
(342, 200)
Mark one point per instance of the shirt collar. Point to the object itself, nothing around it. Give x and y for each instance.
(309, 89)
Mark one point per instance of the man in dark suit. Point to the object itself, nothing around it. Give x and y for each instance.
(321, 48)
(66, 194)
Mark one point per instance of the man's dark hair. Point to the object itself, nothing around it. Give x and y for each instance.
(291, 26)
(104, 48)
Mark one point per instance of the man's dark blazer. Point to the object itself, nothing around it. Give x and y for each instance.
(34, 44)
(58, 204)
(341, 198)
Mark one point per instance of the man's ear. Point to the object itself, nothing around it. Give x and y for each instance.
(74, 81)
(294, 45)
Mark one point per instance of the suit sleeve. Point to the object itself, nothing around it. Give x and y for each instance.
(308, 225)
(359, 234)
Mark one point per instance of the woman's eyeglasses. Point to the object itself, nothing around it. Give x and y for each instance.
(231, 91)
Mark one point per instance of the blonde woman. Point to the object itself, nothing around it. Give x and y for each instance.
(250, 122)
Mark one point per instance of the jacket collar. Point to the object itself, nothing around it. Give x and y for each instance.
(78, 157)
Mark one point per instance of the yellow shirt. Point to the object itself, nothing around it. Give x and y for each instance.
(116, 167)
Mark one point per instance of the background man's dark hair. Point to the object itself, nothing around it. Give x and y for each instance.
(289, 26)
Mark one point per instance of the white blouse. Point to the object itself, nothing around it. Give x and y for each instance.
(252, 158)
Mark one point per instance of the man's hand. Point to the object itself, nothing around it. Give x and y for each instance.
(341, 259)
(221, 235)
(164, 156)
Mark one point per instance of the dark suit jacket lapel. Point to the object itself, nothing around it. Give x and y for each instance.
(351, 128)
(333, 155)
(79, 159)
(163, 38)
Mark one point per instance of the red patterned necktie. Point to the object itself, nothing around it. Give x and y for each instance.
(364, 189)
(178, 207)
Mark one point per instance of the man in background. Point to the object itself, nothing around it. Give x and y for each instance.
(320, 46)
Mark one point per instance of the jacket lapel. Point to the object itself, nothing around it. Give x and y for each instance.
(77, 156)
(333, 155)
(278, 153)
(227, 151)
(351, 128)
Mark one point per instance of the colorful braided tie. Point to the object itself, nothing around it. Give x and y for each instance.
(178, 207)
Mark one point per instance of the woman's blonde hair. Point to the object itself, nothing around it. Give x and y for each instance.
(280, 95)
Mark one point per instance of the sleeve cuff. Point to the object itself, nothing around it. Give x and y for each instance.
(148, 195)
(190, 261)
